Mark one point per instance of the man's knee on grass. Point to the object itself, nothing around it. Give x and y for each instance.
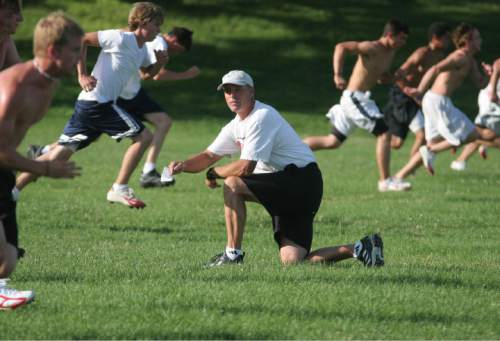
(291, 253)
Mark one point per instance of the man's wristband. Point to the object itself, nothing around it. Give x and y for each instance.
(211, 174)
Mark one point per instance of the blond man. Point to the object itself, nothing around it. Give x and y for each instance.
(26, 91)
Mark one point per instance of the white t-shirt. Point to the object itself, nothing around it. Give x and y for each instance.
(134, 84)
(263, 136)
(119, 59)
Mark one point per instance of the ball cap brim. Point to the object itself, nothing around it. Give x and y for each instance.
(236, 77)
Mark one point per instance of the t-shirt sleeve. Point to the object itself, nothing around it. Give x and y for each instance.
(158, 44)
(109, 39)
(259, 140)
(224, 143)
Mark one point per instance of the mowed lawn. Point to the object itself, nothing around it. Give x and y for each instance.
(103, 271)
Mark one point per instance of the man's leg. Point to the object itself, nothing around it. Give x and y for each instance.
(419, 141)
(162, 123)
(323, 142)
(383, 155)
(133, 155)
(58, 152)
(8, 254)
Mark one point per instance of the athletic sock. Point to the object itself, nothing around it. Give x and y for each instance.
(15, 193)
(46, 149)
(120, 187)
(148, 167)
(233, 253)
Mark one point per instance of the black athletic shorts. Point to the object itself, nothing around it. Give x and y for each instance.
(8, 208)
(140, 105)
(399, 111)
(292, 197)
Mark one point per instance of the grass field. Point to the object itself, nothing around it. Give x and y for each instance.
(103, 271)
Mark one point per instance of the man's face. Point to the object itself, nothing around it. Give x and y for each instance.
(151, 30)
(442, 42)
(238, 98)
(475, 41)
(174, 47)
(397, 40)
(66, 56)
(10, 17)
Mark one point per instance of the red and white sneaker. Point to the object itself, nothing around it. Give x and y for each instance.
(126, 197)
(483, 151)
(11, 299)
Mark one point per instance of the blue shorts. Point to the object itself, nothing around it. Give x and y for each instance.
(140, 105)
(90, 119)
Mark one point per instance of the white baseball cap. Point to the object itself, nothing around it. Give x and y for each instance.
(236, 77)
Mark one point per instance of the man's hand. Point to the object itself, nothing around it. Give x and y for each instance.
(211, 183)
(176, 167)
(413, 93)
(340, 82)
(61, 169)
(161, 57)
(88, 83)
(488, 69)
(193, 72)
(493, 95)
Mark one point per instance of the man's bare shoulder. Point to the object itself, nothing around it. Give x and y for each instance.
(16, 78)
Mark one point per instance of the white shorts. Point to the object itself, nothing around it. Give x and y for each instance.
(443, 119)
(356, 110)
(418, 122)
(489, 112)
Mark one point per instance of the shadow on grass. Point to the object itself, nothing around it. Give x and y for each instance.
(159, 230)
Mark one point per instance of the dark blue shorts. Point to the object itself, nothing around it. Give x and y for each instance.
(140, 105)
(90, 119)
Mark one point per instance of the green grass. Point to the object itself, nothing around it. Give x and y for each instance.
(103, 271)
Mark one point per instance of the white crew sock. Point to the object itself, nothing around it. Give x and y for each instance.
(46, 149)
(148, 167)
(233, 253)
(120, 187)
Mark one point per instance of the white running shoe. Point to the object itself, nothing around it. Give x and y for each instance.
(458, 165)
(11, 299)
(393, 184)
(427, 158)
(483, 151)
(125, 197)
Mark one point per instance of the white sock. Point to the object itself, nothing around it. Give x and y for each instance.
(15, 193)
(148, 167)
(46, 149)
(120, 187)
(233, 253)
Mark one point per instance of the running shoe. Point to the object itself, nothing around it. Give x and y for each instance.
(34, 151)
(370, 250)
(393, 184)
(458, 166)
(223, 259)
(11, 299)
(126, 197)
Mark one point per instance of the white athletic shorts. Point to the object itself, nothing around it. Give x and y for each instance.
(418, 122)
(443, 119)
(489, 112)
(356, 110)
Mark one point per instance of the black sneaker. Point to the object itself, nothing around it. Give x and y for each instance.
(370, 250)
(223, 259)
(153, 179)
(34, 151)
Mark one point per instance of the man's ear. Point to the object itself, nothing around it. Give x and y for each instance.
(52, 51)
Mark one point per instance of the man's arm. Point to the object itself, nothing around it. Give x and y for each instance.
(341, 49)
(195, 163)
(86, 81)
(494, 81)
(410, 66)
(152, 70)
(167, 75)
(453, 61)
(10, 158)
(478, 78)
